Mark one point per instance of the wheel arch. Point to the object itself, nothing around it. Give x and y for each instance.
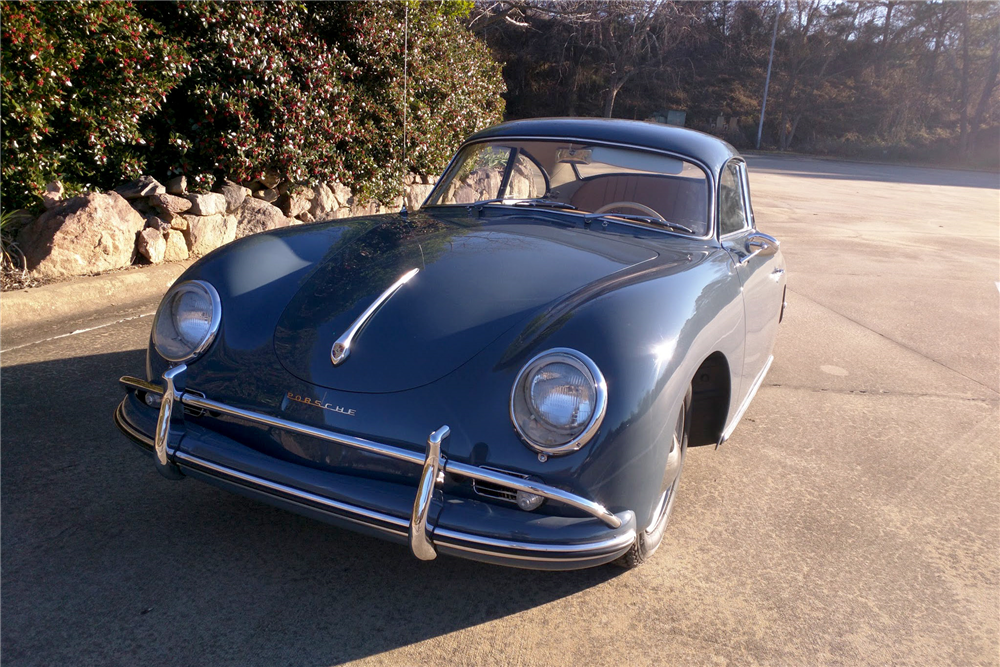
(711, 388)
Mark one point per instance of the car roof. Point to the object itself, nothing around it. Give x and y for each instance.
(712, 151)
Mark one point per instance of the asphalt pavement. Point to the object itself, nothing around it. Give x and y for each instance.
(852, 519)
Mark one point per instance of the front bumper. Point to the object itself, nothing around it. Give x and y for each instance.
(422, 518)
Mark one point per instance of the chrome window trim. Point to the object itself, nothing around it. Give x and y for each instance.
(709, 176)
(744, 183)
(747, 203)
(600, 403)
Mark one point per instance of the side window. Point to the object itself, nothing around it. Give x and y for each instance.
(479, 177)
(732, 215)
(526, 180)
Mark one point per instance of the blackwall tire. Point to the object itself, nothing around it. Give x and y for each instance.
(647, 541)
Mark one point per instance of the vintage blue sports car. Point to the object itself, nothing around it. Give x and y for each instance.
(513, 374)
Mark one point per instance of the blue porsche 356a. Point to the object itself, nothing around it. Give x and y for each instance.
(512, 374)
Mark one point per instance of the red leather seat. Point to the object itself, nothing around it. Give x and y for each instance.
(683, 200)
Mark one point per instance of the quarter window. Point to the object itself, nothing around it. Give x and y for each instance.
(732, 214)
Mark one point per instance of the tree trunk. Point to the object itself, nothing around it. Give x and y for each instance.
(932, 70)
(615, 85)
(609, 101)
(883, 47)
(574, 90)
(984, 98)
(963, 131)
(791, 132)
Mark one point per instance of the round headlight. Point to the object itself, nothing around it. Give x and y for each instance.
(187, 320)
(558, 401)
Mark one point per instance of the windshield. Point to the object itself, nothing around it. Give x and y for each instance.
(585, 179)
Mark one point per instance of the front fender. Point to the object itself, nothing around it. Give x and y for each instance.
(648, 333)
(255, 277)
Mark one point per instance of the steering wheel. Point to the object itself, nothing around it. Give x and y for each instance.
(631, 204)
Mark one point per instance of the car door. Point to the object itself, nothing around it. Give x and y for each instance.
(760, 268)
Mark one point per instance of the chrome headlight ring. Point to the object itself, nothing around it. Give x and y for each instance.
(187, 320)
(578, 388)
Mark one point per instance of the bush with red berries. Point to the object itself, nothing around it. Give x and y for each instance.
(453, 86)
(95, 93)
(80, 81)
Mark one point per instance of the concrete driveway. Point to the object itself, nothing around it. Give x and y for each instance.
(853, 518)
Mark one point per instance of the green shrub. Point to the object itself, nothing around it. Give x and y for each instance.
(97, 93)
(454, 87)
(263, 91)
(79, 81)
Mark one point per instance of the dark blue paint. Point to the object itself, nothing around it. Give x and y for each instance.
(496, 287)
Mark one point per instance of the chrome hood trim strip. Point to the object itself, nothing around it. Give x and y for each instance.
(342, 347)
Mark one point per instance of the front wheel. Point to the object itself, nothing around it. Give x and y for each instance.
(647, 541)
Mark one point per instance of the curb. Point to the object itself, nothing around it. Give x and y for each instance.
(39, 311)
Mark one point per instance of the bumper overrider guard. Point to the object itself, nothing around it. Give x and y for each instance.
(424, 539)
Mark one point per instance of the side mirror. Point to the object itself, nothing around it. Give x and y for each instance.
(759, 243)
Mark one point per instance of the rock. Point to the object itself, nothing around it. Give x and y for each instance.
(156, 222)
(141, 206)
(151, 245)
(256, 216)
(176, 246)
(234, 194)
(271, 178)
(357, 208)
(87, 234)
(411, 178)
(178, 185)
(295, 201)
(53, 194)
(211, 204)
(140, 187)
(341, 193)
(171, 203)
(323, 202)
(306, 217)
(340, 213)
(205, 233)
(416, 194)
(267, 194)
(175, 220)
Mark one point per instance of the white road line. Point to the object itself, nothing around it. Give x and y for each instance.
(78, 331)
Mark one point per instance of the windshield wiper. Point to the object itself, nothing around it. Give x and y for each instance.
(642, 218)
(547, 203)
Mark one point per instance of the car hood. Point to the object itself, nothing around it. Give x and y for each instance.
(475, 281)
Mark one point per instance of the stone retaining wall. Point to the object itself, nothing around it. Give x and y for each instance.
(148, 222)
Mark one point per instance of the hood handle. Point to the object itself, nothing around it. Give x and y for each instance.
(342, 347)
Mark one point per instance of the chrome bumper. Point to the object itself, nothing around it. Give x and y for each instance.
(423, 539)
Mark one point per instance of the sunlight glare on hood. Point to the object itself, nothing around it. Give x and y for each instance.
(261, 261)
